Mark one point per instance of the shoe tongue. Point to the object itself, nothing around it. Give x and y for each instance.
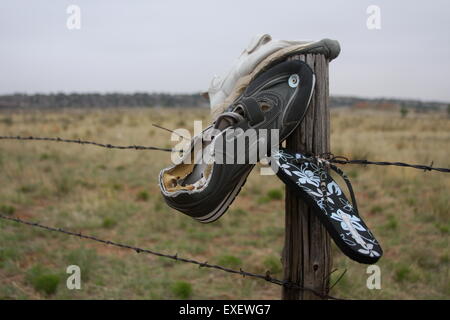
(227, 119)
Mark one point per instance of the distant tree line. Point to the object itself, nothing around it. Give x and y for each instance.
(99, 100)
(89, 100)
(385, 103)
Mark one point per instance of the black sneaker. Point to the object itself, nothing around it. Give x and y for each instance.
(276, 99)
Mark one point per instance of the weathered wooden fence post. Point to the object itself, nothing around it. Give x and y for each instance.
(306, 254)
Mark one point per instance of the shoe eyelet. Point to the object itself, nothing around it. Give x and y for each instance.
(293, 81)
(265, 107)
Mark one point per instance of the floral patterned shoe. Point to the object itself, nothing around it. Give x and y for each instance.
(309, 178)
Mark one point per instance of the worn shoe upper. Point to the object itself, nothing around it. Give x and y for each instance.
(218, 162)
(261, 52)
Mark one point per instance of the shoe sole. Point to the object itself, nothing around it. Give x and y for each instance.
(223, 207)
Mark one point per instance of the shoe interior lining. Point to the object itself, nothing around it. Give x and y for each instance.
(188, 176)
(195, 175)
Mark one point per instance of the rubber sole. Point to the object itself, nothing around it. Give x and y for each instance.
(223, 207)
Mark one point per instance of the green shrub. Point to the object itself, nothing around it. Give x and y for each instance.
(411, 201)
(117, 187)
(405, 272)
(273, 264)
(44, 156)
(109, 223)
(392, 223)
(29, 188)
(263, 200)
(182, 289)
(47, 283)
(43, 280)
(84, 258)
(229, 261)
(445, 229)
(275, 194)
(376, 209)
(7, 254)
(402, 273)
(7, 209)
(143, 196)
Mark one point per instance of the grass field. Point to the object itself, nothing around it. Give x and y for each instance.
(114, 194)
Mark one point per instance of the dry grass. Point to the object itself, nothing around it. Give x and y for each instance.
(114, 194)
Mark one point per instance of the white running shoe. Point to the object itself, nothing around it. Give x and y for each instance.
(260, 53)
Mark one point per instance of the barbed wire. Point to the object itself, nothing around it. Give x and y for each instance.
(325, 156)
(84, 142)
(344, 160)
(267, 277)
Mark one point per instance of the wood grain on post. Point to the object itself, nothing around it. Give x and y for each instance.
(306, 254)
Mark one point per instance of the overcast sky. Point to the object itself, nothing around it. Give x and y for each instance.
(177, 46)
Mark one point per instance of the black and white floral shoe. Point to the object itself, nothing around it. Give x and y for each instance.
(309, 178)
